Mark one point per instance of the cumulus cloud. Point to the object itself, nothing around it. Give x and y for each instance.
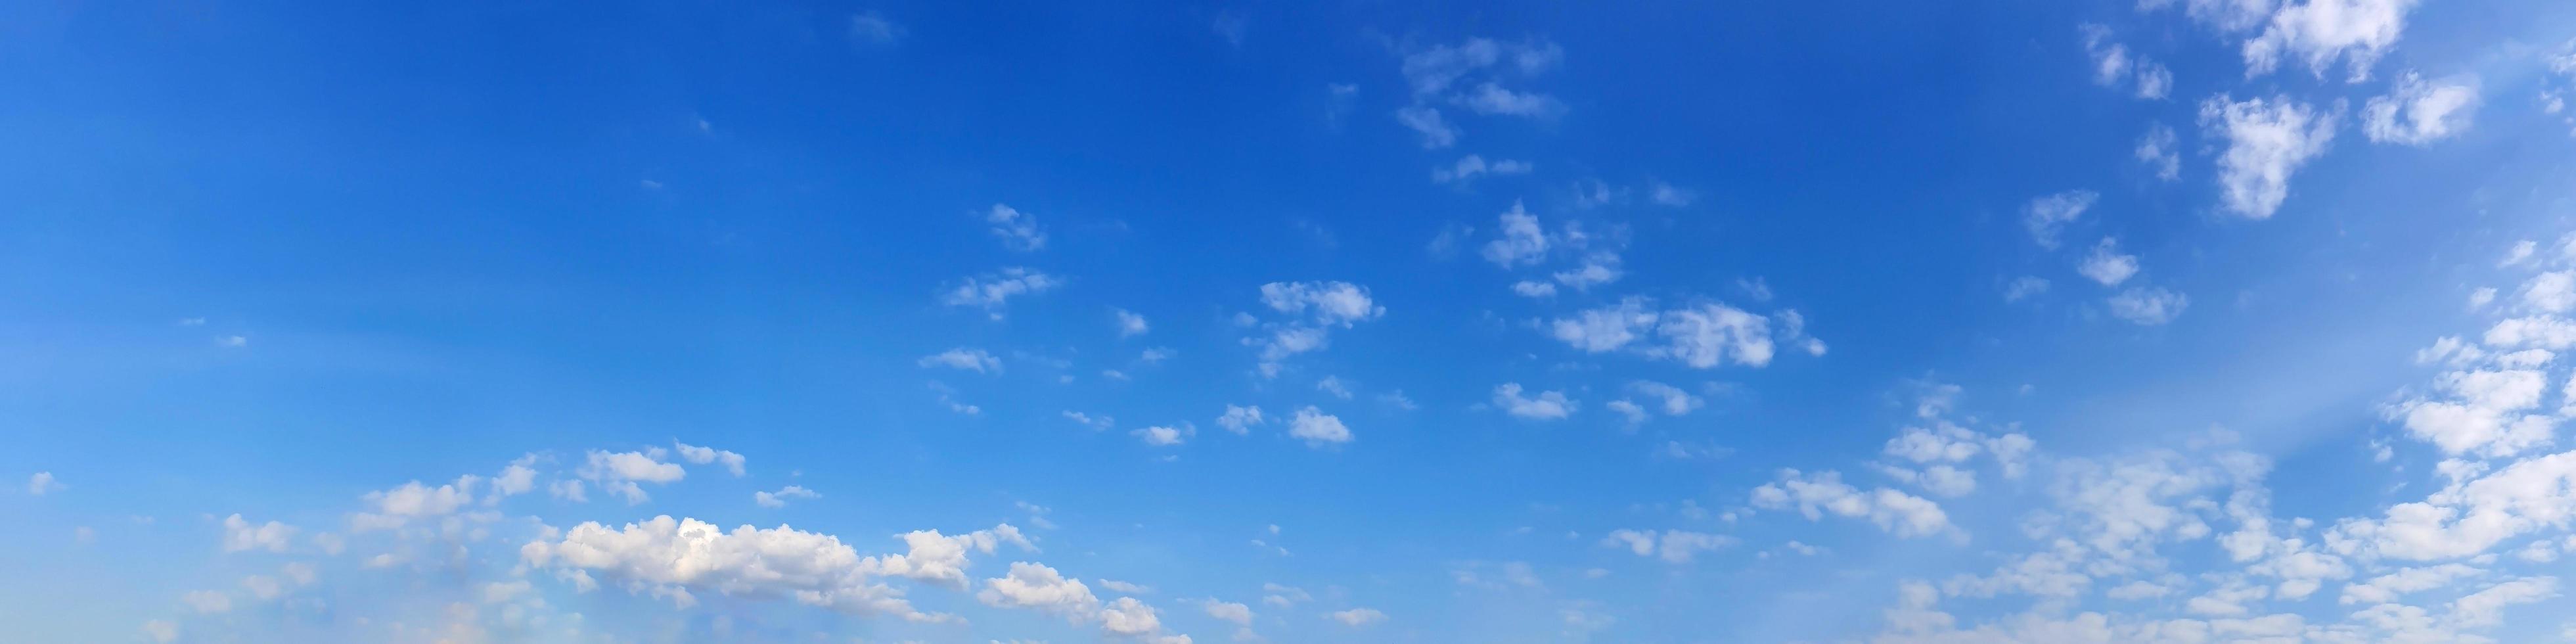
(2266, 142)
(1239, 420)
(620, 473)
(1311, 310)
(1902, 514)
(43, 483)
(1672, 546)
(2160, 151)
(1318, 428)
(241, 535)
(2107, 264)
(1357, 617)
(1130, 324)
(1701, 336)
(991, 291)
(708, 455)
(2148, 306)
(2418, 112)
(2048, 215)
(1547, 405)
(2319, 32)
(1017, 230)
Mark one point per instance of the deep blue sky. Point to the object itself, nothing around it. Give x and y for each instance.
(2015, 321)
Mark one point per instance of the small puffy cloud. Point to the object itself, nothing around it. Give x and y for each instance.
(2160, 151)
(241, 535)
(619, 472)
(1017, 230)
(1665, 194)
(2107, 264)
(1318, 428)
(991, 291)
(1674, 401)
(1547, 405)
(159, 631)
(1467, 168)
(1357, 617)
(2318, 32)
(2266, 141)
(1129, 323)
(976, 360)
(2417, 112)
(1523, 241)
(708, 455)
(43, 483)
(1899, 513)
(1163, 436)
(1240, 420)
(1426, 121)
(1702, 336)
(1096, 423)
(779, 498)
(2024, 287)
(1237, 614)
(2045, 216)
(1115, 586)
(1333, 385)
(1313, 309)
(1037, 586)
(2148, 306)
(677, 558)
(1672, 546)
(394, 508)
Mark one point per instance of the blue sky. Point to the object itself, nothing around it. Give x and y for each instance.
(2174, 320)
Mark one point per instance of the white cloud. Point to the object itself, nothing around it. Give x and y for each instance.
(1237, 614)
(160, 631)
(1037, 586)
(1240, 420)
(2553, 292)
(1434, 70)
(871, 28)
(1096, 423)
(2416, 112)
(1469, 167)
(1629, 409)
(2320, 31)
(991, 291)
(1317, 428)
(779, 498)
(1163, 436)
(1672, 546)
(1491, 99)
(1902, 514)
(1129, 323)
(2024, 287)
(2113, 63)
(43, 483)
(394, 508)
(619, 472)
(678, 558)
(2148, 306)
(1702, 336)
(2266, 142)
(1017, 230)
(2047, 215)
(1436, 131)
(1523, 241)
(2387, 588)
(2159, 149)
(963, 358)
(1115, 586)
(240, 535)
(2155, 81)
(1333, 385)
(1548, 405)
(2483, 413)
(1357, 617)
(706, 455)
(2107, 265)
(1314, 308)
(1675, 401)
